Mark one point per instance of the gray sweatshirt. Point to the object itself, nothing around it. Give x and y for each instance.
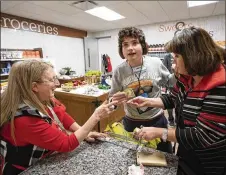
(152, 72)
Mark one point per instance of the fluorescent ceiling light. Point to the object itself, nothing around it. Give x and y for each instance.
(105, 13)
(198, 3)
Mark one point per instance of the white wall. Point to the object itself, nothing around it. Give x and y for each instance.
(153, 33)
(64, 51)
(108, 46)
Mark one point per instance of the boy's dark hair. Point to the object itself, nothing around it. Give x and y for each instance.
(134, 33)
(201, 55)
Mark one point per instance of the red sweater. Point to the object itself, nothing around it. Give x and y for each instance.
(35, 131)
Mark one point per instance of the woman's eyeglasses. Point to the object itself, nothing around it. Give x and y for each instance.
(53, 80)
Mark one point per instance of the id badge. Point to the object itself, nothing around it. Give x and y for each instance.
(144, 95)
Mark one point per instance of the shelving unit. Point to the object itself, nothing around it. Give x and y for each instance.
(159, 54)
(157, 50)
(4, 75)
(10, 56)
(161, 51)
(15, 59)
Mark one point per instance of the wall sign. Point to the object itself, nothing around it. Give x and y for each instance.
(174, 27)
(19, 23)
(177, 27)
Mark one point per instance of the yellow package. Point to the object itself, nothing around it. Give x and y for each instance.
(118, 132)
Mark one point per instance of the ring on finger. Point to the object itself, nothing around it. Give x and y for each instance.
(111, 108)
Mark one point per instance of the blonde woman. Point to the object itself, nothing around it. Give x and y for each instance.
(33, 123)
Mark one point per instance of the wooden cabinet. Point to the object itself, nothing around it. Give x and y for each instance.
(81, 107)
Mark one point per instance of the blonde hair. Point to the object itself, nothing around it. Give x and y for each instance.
(19, 90)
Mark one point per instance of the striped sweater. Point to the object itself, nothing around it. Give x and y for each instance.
(201, 122)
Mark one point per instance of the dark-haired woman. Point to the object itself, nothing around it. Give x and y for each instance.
(199, 98)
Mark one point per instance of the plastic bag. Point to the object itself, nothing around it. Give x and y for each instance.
(121, 134)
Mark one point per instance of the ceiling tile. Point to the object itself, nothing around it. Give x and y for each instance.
(34, 16)
(87, 18)
(151, 9)
(106, 3)
(90, 27)
(202, 11)
(130, 13)
(44, 18)
(220, 8)
(91, 22)
(68, 2)
(58, 6)
(99, 3)
(84, 5)
(9, 4)
(136, 12)
(38, 12)
(172, 10)
(122, 23)
(20, 13)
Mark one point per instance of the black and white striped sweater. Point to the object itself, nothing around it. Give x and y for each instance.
(201, 122)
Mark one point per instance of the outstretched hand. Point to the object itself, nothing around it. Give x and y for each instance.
(148, 133)
(120, 97)
(140, 102)
(92, 136)
(105, 109)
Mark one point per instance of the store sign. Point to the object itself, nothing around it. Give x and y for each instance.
(177, 27)
(29, 26)
(174, 27)
(19, 23)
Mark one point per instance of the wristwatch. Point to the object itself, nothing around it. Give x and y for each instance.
(165, 134)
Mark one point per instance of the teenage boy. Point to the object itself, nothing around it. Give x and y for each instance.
(139, 75)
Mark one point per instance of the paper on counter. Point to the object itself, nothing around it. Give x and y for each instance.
(90, 90)
(136, 170)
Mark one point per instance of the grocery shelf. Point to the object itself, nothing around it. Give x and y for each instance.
(156, 51)
(4, 75)
(19, 59)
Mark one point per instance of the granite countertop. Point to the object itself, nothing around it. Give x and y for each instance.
(104, 157)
